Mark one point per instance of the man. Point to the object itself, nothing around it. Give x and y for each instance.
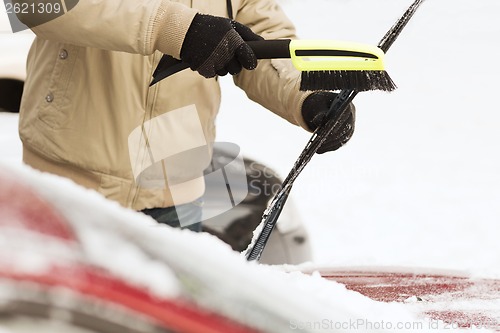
(89, 114)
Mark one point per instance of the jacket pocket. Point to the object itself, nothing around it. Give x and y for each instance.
(55, 107)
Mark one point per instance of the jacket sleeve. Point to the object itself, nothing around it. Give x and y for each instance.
(134, 26)
(274, 83)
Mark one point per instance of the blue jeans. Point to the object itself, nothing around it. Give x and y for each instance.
(185, 216)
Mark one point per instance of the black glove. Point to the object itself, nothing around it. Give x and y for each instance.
(314, 110)
(216, 46)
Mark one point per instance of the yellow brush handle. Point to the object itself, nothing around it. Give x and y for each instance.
(322, 55)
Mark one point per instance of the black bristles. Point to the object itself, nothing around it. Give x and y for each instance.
(351, 80)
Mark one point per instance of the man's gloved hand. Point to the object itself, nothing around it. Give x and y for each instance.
(216, 46)
(314, 110)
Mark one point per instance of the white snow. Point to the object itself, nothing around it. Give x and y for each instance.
(170, 262)
(417, 186)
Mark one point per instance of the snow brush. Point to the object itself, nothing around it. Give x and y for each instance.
(332, 123)
(324, 64)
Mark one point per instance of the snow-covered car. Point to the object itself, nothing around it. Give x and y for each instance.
(72, 261)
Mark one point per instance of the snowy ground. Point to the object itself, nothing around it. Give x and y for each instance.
(419, 184)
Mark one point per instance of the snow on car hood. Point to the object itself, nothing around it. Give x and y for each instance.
(202, 268)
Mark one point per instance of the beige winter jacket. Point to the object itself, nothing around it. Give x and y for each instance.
(88, 112)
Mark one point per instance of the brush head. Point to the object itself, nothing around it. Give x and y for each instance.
(346, 79)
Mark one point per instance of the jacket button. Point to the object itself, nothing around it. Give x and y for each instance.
(49, 98)
(63, 54)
